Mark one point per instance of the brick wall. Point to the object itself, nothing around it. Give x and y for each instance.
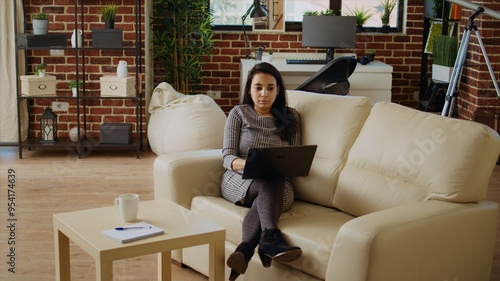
(402, 51)
(478, 99)
(221, 70)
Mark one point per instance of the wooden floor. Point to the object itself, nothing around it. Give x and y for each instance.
(49, 182)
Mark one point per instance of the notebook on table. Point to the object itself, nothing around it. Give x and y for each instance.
(133, 232)
(279, 161)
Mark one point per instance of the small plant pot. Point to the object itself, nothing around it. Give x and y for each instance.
(74, 91)
(110, 24)
(385, 29)
(442, 73)
(40, 27)
(371, 57)
(41, 73)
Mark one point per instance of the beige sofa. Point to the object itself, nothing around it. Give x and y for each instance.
(393, 194)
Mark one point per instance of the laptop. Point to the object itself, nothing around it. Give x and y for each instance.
(279, 161)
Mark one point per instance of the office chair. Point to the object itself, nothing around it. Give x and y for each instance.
(331, 78)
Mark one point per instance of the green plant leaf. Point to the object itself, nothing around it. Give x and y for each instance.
(182, 38)
(445, 50)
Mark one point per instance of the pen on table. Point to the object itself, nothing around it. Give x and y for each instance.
(132, 227)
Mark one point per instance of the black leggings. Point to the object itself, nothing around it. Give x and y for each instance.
(265, 200)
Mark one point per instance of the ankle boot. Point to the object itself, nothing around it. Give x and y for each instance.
(273, 246)
(238, 261)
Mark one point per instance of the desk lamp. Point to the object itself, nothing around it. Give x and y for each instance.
(255, 11)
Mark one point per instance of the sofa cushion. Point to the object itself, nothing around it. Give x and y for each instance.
(403, 155)
(333, 123)
(316, 240)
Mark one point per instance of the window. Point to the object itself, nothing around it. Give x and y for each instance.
(294, 9)
(227, 13)
(372, 7)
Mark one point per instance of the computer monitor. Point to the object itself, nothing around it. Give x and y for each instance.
(329, 32)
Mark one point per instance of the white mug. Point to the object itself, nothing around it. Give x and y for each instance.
(128, 205)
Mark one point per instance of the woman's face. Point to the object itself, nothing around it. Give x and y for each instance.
(263, 90)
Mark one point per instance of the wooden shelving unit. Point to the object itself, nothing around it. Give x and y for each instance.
(83, 99)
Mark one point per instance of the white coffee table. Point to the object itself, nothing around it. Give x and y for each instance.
(182, 229)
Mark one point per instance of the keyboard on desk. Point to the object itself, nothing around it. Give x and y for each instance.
(306, 61)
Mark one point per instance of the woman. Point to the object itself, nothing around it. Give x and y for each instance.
(263, 119)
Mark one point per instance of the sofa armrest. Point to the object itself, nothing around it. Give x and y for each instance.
(431, 240)
(180, 176)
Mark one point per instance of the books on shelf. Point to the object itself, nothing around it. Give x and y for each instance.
(132, 232)
(455, 12)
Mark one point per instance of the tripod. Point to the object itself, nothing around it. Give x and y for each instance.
(451, 93)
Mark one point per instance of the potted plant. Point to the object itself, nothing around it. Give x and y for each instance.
(386, 9)
(40, 23)
(327, 12)
(267, 57)
(361, 15)
(108, 37)
(74, 85)
(444, 54)
(370, 54)
(182, 39)
(108, 12)
(40, 69)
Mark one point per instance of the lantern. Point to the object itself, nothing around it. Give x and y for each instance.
(48, 126)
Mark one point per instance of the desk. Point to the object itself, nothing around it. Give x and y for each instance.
(373, 80)
(182, 229)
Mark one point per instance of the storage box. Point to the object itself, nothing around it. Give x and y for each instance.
(107, 38)
(116, 133)
(113, 86)
(43, 40)
(34, 85)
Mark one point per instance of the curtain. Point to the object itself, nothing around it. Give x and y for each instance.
(148, 56)
(8, 78)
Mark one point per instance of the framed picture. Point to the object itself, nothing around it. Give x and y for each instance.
(435, 29)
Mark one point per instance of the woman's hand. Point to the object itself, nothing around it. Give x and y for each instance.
(238, 164)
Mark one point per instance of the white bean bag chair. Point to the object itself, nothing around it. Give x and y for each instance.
(181, 122)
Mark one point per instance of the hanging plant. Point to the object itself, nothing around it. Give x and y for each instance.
(182, 38)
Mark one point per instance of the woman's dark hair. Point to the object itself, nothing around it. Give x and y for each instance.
(284, 118)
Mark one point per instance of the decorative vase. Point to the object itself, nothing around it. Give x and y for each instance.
(73, 134)
(76, 37)
(121, 70)
(40, 27)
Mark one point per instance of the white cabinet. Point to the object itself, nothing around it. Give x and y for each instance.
(373, 80)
